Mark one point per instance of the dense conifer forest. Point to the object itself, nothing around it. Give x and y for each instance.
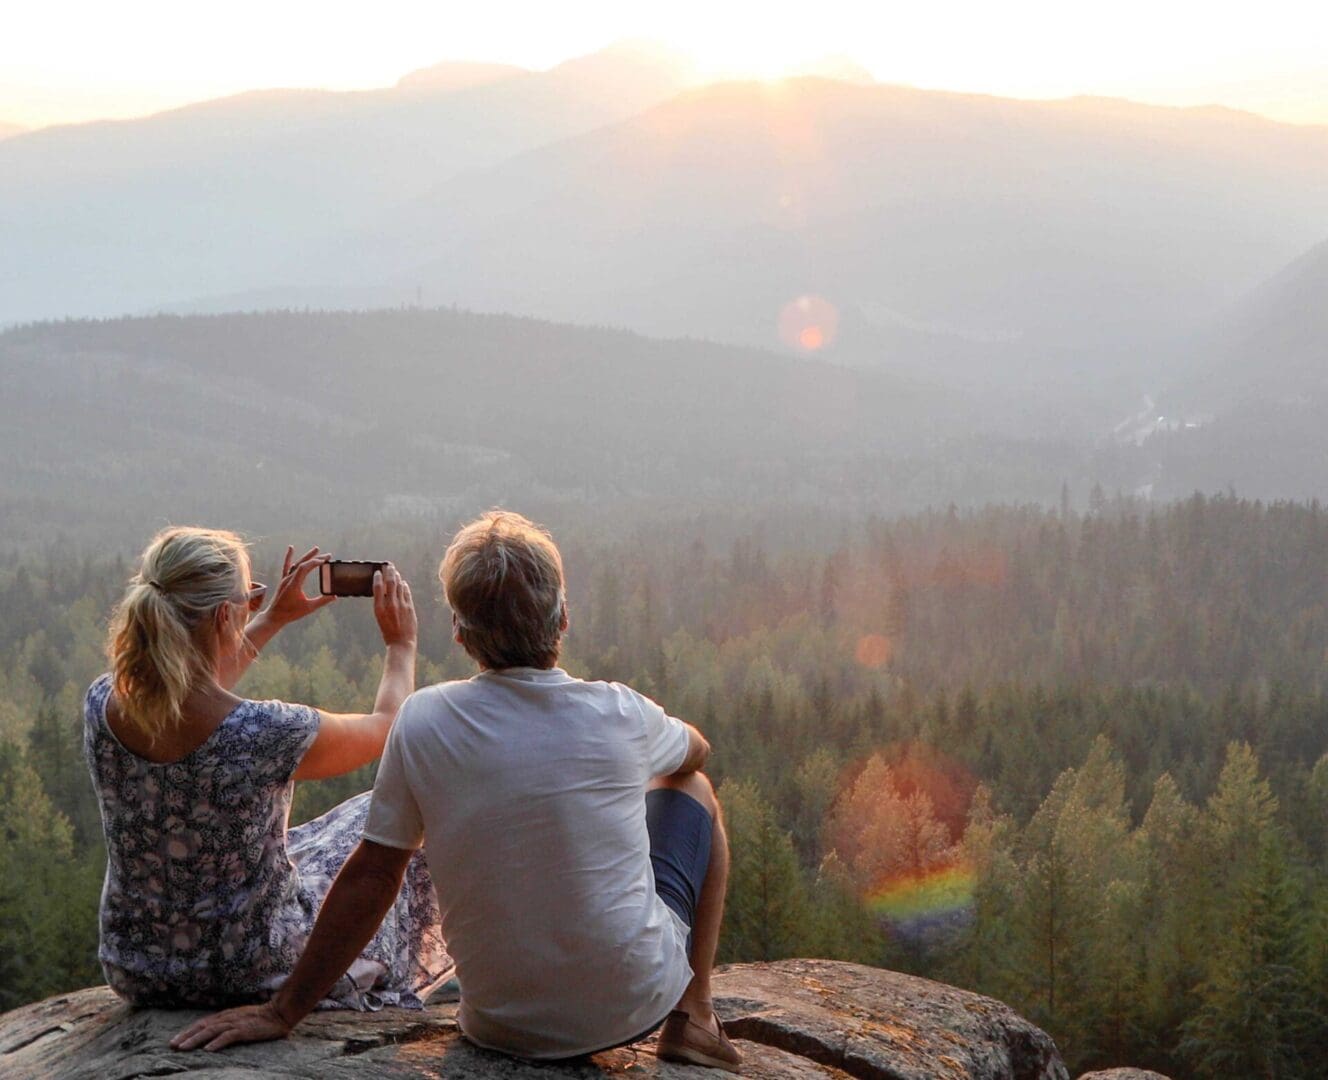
(1075, 761)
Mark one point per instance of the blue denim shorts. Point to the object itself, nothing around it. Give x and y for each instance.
(680, 830)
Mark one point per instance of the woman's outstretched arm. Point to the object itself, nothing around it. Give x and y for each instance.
(348, 740)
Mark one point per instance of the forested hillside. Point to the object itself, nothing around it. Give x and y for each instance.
(309, 419)
(1076, 761)
(300, 419)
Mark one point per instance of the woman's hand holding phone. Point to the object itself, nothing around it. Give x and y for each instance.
(289, 602)
(393, 608)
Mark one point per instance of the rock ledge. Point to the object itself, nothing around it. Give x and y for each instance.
(793, 1019)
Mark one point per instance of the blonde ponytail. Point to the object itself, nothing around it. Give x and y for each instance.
(155, 649)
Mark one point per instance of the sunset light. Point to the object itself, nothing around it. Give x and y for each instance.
(844, 491)
(146, 55)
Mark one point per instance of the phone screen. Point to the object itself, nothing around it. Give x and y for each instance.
(347, 578)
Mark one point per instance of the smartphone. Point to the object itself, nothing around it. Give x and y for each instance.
(347, 577)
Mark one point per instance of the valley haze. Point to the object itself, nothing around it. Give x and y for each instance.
(1036, 298)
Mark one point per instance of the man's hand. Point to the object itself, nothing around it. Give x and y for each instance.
(249, 1023)
(355, 905)
(698, 752)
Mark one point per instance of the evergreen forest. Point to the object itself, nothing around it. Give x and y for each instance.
(1076, 761)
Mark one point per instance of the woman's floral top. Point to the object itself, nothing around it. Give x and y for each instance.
(208, 900)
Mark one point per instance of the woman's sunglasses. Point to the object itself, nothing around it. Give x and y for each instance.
(257, 592)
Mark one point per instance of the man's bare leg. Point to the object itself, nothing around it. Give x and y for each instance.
(697, 1000)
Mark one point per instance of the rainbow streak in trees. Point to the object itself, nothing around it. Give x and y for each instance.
(920, 905)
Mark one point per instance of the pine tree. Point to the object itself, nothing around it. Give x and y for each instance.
(1075, 848)
(816, 784)
(1174, 884)
(880, 835)
(840, 927)
(766, 910)
(984, 957)
(1314, 970)
(1254, 1009)
(47, 900)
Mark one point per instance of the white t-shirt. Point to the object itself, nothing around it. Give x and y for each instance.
(527, 788)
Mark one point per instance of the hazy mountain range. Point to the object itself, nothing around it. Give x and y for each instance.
(1251, 414)
(1008, 279)
(112, 217)
(1273, 346)
(972, 218)
(989, 244)
(7, 130)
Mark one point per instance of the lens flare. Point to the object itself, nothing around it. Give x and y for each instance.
(808, 323)
(918, 905)
(874, 650)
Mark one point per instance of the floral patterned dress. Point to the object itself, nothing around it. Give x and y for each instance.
(208, 900)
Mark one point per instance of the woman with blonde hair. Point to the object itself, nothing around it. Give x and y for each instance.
(208, 899)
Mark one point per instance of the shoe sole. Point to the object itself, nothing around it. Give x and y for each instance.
(686, 1056)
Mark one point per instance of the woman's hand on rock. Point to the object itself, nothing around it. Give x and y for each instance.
(249, 1023)
(393, 607)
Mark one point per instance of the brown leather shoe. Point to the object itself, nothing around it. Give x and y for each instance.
(682, 1039)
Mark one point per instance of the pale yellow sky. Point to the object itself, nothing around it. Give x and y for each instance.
(70, 60)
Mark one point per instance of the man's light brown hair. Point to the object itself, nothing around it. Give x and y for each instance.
(503, 579)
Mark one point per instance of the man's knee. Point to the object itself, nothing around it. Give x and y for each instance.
(695, 784)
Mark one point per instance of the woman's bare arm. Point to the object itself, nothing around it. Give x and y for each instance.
(348, 740)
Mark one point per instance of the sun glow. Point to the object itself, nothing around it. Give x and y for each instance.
(749, 56)
(144, 54)
(808, 323)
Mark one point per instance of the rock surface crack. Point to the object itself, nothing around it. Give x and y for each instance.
(415, 1033)
(835, 1054)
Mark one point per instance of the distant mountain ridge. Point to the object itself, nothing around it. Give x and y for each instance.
(458, 75)
(1052, 257)
(1079, 236)
(1247, 412)
(112, 217)
(1275, 345)
(6, 129)
(295, 415)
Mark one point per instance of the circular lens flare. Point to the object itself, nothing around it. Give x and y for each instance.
(874, 650)
(808, 323)
(898, 826)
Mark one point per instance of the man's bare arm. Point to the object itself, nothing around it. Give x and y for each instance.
(356, 904)
(698, 750)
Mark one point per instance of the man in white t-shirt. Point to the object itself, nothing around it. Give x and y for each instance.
(577, 850)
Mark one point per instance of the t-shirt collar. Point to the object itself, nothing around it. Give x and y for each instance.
(528, 674)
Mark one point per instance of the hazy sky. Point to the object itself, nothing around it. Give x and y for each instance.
(64, 60)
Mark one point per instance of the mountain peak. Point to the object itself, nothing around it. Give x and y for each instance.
(635, 54)
(839, 67)
(458, 75)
